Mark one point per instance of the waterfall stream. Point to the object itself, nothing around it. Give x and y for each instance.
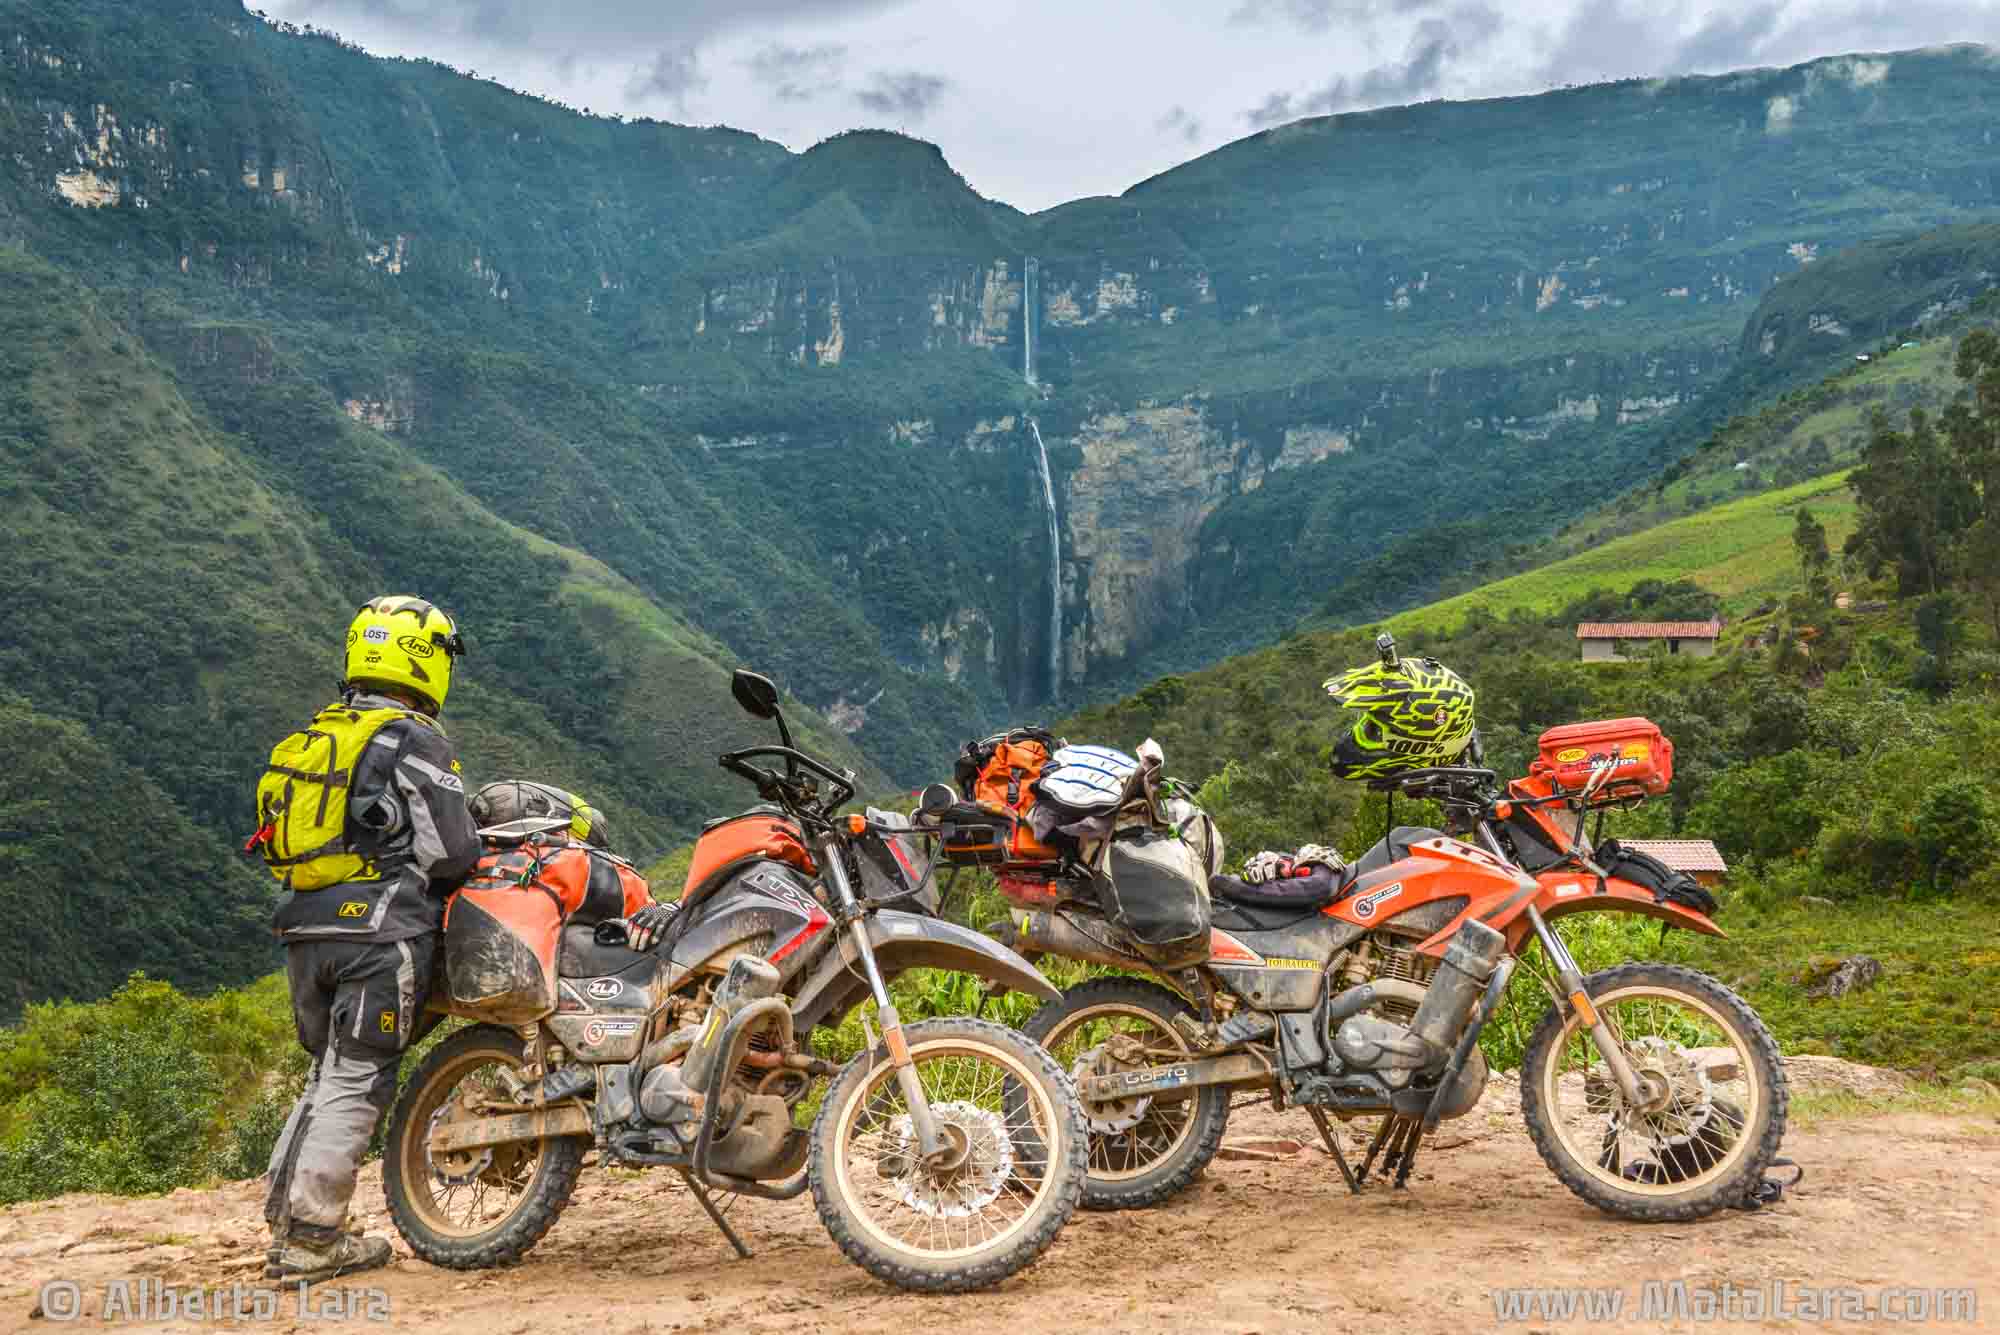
(1055, 563)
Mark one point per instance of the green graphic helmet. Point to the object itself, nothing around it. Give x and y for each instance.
(1415, 712)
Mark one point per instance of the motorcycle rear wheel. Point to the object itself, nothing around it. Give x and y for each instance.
(442, 1208)
(1167, 1145)
(1014, 1117)
(1706, 1145)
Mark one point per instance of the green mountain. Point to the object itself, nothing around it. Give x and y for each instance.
(288, 325)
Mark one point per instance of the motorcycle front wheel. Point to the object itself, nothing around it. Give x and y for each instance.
(1717, 1096)
(1009, 1183)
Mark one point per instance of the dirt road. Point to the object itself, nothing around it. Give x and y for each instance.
(1895, 1199)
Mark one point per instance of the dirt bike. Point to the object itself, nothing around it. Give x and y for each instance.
(944, 1157)
(1652, 1091)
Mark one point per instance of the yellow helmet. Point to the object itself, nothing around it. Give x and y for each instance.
(403, 643)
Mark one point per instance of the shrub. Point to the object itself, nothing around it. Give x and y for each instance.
(1954, 832)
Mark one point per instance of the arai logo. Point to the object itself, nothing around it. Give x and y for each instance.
(416, 646)
(603, 989)
(1364, 907)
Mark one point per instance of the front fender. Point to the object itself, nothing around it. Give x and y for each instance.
(904, 941)
(1564, 893)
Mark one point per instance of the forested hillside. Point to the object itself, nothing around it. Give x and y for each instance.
(288, 325)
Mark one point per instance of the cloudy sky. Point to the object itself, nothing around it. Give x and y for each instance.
(1041, 101)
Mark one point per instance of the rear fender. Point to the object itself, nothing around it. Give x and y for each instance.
(904, 941)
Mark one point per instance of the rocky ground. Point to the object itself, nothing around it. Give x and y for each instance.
(1270, 1240)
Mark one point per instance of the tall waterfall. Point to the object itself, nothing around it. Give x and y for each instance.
(1055, 563)
(1031, 283)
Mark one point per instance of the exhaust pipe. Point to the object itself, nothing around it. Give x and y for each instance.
(1469, 960)
(1040, 933)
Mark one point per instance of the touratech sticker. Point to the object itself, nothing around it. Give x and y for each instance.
(1571, 755)
(599, 1030)
(388, 1021)
(354, 908)
(1364, 907)
(1278, 962)
(416, 646)
(603, 989)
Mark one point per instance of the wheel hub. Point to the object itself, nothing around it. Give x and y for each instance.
(1109, 1117)
(1684, 1100)
(455, 1168)
(980, 1162)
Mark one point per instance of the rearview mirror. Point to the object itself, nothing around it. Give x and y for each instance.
(756, 694)
(936, 799)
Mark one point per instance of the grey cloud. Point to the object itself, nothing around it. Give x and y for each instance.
(797, 73)
(1319, 15)
(674, 73)
(602, 28)
(1179, 120)
(909, 94)
(1617, 39)
(1437, 45)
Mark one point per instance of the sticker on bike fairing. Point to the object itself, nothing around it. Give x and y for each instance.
(1365, 906)
(599, 1030)
(1568, 890)
(1226, 949)
(603, 989)
(567, 1001)
(1279, 962)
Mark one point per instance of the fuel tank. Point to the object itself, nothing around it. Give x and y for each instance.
(765, 908)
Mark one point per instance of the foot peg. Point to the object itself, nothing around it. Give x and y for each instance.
(1249, 1027)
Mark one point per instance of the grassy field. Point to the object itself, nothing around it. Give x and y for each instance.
(1741, 550)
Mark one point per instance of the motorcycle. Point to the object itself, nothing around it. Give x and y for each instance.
(1651, 1090)
(944, 1157)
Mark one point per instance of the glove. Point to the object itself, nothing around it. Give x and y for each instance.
(1322, 855)
(1267, 866)
(644, 928)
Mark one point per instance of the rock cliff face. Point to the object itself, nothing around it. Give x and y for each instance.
(782, 392)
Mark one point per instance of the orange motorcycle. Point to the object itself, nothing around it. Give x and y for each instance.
(1653, 1091)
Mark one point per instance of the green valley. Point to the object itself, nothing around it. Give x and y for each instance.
(284, 325)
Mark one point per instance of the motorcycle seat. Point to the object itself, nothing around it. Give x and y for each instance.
(1301, 893)
(580, 956)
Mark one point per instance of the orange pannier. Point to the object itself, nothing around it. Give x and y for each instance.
(503, 923)
(996, 777)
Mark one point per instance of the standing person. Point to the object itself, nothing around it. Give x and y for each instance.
(363, 818)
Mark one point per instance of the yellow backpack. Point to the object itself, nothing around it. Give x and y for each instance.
(302, 798)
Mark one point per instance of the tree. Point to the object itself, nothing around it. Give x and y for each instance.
(1815, 561)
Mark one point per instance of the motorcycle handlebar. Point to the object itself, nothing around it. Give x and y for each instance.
(737, 762)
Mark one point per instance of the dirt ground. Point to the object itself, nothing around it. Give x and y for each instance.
(1258, 1245)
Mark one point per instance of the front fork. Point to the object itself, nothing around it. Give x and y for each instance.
(932, 1144)
(1639, 1091)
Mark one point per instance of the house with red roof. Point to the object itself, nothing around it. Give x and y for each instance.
(1608, 641)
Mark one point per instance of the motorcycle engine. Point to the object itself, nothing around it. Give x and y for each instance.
(1383, 1048)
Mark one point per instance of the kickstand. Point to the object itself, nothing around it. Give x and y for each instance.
(1374, 1146)
(701, 1194)
(1333, 1148)
(1413, 1133)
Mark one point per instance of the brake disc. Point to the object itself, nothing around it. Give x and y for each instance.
(1108, 1117)
(980, 1170)
(455, 1168)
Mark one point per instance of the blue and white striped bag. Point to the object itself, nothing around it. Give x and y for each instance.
(1086, 780)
